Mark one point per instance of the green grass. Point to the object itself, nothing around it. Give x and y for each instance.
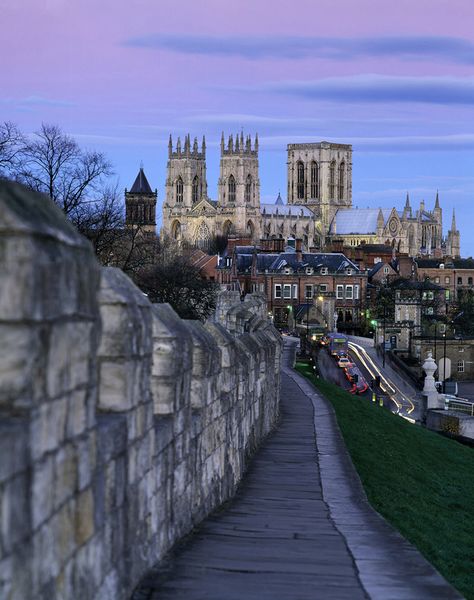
(421, 482)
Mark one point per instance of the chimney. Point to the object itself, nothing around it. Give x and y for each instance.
(278, 245)
(299, 249)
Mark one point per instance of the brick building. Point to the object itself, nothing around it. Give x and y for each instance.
(289, 278)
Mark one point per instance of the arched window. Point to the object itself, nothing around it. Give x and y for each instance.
(176, 230)
(332, 179)
(342, 168)
(300, 180)
(195, 189)
(314, 179)
(231, 189)
(179, 190)
(203, 236)
(248, 189)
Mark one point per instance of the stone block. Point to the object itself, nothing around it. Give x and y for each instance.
(84, 517)
(15, 519)
(13, 447)
(65, 474)
(43, 489)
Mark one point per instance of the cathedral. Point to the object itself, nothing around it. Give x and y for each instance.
(319, 202)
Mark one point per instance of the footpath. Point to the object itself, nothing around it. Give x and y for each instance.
(300, 526)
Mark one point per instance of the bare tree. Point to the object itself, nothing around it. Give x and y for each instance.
(53, 163)
(11, 143)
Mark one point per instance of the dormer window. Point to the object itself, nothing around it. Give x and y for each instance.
(287, 271)
(309, 270)
(324, 270)
(349, 271)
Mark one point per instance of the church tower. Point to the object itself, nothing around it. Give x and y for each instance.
(140, 204)
(320, 177)
(238, 194)
(186, 183)
(453, 243)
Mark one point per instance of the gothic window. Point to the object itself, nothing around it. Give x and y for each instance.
(332, 179)
(342, 167)
(248, 189)
(300, 179)
(176, 230)
(231, 189)
(314, 179)
(195, 189)
(203, 236)
(179, 190)
(250, 228)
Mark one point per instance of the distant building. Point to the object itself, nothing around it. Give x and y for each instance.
(319, 210)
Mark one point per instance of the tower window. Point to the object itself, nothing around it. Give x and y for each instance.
(342, 168)
(332, 179)
(231, 189)
(300, 180)
(195, 189)
(314, 179)
(248, 189)
(179, 190)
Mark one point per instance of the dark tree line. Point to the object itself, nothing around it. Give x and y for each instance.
(80, 182)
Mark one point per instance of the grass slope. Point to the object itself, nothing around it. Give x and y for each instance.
(421, 482)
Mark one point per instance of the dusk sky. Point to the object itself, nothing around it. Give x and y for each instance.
(394, 79)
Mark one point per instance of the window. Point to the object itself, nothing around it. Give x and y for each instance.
(460, 366)
(248, 189)
(342, 168)
(287, 291)
(447, 279)
(332, 179)
(262, 287)
(295, 290)
(277, 293)
(469, 280)
(349, 292)
(447, 295)
(323, 287)
(339, 292)
(300, 180)
(309, 270)
(356, 292)
(314, 179)
(231, 186)
(179, 190)
(324, 270)
(436, 279)
(287, 270)
(195, 189)
(348, 316)
(459, 280)
(429, 310)
(386, 270)
(428, 296)
(308, 291)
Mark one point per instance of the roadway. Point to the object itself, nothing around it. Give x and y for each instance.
(402, 396)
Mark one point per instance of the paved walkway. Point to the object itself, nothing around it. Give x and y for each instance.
(300, 526)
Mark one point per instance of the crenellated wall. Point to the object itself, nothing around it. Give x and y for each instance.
(121, 425)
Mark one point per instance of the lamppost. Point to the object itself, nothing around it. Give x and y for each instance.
(444, 362)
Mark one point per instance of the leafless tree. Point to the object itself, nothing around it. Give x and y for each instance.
(53, 163)
(11, 143)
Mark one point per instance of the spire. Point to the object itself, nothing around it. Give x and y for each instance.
(178, 146)
(407, 201)
(222, 143)
(453, 222)
(237, 143)
(437, 200)
(248, 143)
(187, 144)
(195, 146)
(279, 200)
(170, 147)
(256, 142)
(141, 185)
(230, 145)
(203, 147)
(380, 219)
(242, 139)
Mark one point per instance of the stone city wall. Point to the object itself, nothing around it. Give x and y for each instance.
(121, 425)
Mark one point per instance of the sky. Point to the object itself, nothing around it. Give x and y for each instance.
(394, 79)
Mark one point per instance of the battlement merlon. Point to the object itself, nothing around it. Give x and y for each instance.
(319, 145)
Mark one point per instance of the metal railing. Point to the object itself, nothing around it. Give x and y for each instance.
(459, 404)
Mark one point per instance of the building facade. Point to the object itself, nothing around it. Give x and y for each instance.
(318, 211)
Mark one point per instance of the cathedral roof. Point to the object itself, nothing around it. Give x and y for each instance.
(141, 185)
(294, 210)
(357, 220)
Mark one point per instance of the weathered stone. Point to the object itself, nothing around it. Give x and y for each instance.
(84, 517)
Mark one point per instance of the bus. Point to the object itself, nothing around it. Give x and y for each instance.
(337, 343)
